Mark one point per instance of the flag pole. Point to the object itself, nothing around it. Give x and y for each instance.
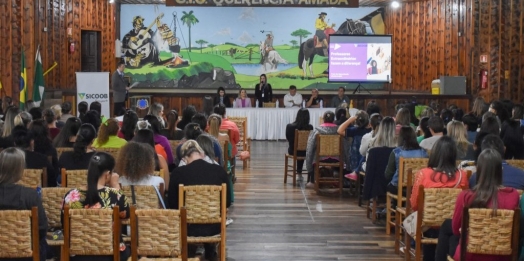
(51, 68)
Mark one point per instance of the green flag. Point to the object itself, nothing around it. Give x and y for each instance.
(38, 85)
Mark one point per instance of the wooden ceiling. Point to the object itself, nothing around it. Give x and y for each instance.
(361, 3)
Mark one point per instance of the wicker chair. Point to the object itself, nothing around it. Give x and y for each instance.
(93, 232)
(490, 235)
(245, 142)
(225, 155)
(269, 105)
(145, 196)
(112, 151)
(60, 150)
(404, 164)
(159, 232)
(329, 146)
(300, 144)
(19, 237)
(206, 205)
(74, 178)
(174, 144)
(52, 201)
(434, 206)
(516, 163)
(34, 178)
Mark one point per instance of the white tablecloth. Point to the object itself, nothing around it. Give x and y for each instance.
(270, 123)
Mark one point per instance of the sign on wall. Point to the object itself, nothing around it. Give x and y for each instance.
(93, 86)
(200, 47)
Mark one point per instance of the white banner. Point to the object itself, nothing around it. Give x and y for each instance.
(93, 86)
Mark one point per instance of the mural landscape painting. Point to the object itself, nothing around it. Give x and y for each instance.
(199, 47)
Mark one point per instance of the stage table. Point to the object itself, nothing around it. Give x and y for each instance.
(270, 123)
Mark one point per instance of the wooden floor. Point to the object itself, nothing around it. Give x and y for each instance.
(276, 221)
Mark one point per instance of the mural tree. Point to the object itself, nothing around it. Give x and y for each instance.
(189, 19)
(294, 43)
(300, 33)
(201, 42)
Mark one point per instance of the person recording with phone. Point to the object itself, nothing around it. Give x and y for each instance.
(263, 91)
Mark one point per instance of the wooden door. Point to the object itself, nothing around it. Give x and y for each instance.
(91, 51)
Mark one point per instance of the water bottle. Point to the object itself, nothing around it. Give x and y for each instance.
(321, 104)
(303, 103)
(351, 104)
(257, 104)
(276, 104)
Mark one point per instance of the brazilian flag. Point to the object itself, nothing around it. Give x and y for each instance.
(23, 83)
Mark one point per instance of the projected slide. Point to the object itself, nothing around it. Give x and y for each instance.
(359, 58)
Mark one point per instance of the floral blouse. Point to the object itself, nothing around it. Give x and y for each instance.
(110, 197)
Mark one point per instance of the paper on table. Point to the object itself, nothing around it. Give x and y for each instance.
(134, 84)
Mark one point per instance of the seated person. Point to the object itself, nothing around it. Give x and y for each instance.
(457, 131)
(136, 164)
(98, 195)
(328, 127)
(18, 197)
(156, 126)
(340, 99)
(66, 137)
(197, 172)
(107, 135)
(172, 132)
(314, 101)
(472, 125)
(242, 101)
(82, 152)
(356, 132)
(228, 125)
(222, 98)
(293, 99)
(511, 176)
(301, 123)
(436, 127)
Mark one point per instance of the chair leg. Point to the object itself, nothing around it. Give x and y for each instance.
(317, 179)
(407, 245)
(388, 215)
(374, 210)
(418, 250)
(294, 171)
(397, 233)
(286, 165)
(359, 190)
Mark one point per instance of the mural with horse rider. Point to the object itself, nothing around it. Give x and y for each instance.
(192, 47)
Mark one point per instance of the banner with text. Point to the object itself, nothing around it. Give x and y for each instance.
(93, 86)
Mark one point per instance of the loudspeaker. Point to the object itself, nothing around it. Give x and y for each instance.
(452, 85)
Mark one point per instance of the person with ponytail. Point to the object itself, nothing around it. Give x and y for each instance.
(66, 137)
(82, 149)
(107, 135)
(102, 192)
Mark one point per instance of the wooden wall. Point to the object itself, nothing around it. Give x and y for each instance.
(446, 37)
(22, 24)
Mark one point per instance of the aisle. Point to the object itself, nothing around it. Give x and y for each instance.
(274, 221)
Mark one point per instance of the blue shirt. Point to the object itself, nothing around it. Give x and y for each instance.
(399, 152)
(471, 136)
(511, 177)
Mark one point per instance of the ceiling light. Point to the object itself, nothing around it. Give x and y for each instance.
(111, 1)
(395, 4)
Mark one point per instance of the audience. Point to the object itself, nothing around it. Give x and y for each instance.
(384, 137)
(197, 172)
(403, 118)
(470, 121)
(374, 121)
(457, 131)
(97, 106)
(172, 132)
(57, 110)
(93, 118)
(82, 110)
(18, 197)
(518, 115)
(156, 109)
(301, 123)
(489, 192)
(222, 98)
(107, 136)
(67, 135)
(511, 134)
(242, 101)
(340, 99)
(66, 111)
(214, 123)
(36, 113)
(42, 143)
(328, 127)
(97, 195)
(293, 99)
(187, 115)
(408, 147)
(50, 119)
(361, 120)
(9, 122)
(82, 149)
(372, 108)
(23, 119)
(159, 139)
(129, 120)
(423, 130)
(436, 128)
(228, 125)
(340, 116)
(146, 136)
(135, 164)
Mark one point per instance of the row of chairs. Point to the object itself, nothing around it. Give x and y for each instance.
(154, 232)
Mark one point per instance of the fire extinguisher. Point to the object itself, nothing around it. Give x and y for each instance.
(483, 78)
(71, 46)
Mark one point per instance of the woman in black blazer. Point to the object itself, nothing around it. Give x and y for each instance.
(263, 91)
(222, 98)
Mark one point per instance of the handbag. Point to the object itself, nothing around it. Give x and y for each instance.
(410, 222)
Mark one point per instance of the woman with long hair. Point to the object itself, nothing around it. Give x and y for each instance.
(107, 135)
(301, 123)
(172, 132)
(156, 109)
(9, 122)
(457, 131)
(82, 149)
(67, 135)
(487, 193)
(361, 128)
(187, 114)
(498, 108)
(242, 101)
(146, 136)
(407, 148)
(50, 119)
(136, 164)
(222, 98)
(18, 197)
(423, 129)
(102, 192)
(385, 136)
(374, 122)
(128, 125)
(403, 118)
(479, 107)
(82, 110)
(23, 119)
(159, 139)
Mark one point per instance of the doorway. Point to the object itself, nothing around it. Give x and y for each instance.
(91, 51)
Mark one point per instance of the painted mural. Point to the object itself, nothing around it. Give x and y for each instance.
(202, 47)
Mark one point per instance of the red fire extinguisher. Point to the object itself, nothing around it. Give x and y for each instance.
(483, 78)
(71, 46)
